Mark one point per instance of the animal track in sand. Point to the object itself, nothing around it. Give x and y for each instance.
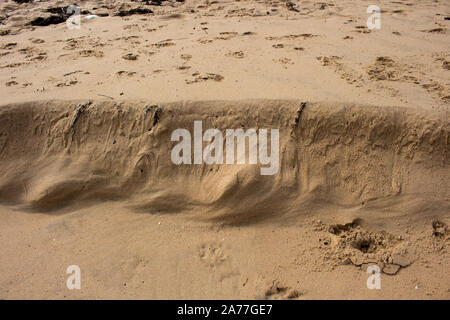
(291, 37)
(226, 35)
(164, 43)
(362, 29)
(33, 54)
(126, 38)
(13, 65)
(126, 73)
(91, 53)
(200, 77)
(8, 46)
(183, 67)
(386, 69)
(276, 291)
(436, 30)
(383, 69)
(37, 41)
(236, 54)
(74, 72)
(130, 57)
(73, 44)
(204, 40)
(186, 57)
(145, 52)
(244, 12)
(284, 62)
(11, 83)
(67, 83)
(82, 42)
(132, 27)
(212, 254)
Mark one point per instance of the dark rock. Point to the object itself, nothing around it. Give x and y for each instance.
(48, 20)
(57, 15)
(130, 12)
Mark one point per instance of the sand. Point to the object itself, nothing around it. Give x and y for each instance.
(86, 176)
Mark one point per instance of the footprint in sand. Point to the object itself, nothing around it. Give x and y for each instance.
(130, 57)
(236, 54)
(8, 46)
(226, 35)
(204, 41)
(201, 77)
(436, 30)
(284, 62)
(164, 43)
(212, 254)
(183, 67)
(186, 57)
(91, 53)
(132, 27)
(126, 73)
(33, 54)
(68, 83)
(361, 29)
(11, 83)
(37, 41)
(291, 37)
(276, 291)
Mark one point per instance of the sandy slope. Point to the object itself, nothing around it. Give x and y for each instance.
(86, 176)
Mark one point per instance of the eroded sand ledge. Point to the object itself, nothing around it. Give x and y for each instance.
(58, 153)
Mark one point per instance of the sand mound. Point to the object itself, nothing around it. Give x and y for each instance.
(60, 153)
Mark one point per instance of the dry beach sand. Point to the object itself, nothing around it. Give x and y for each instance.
(86, 177)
